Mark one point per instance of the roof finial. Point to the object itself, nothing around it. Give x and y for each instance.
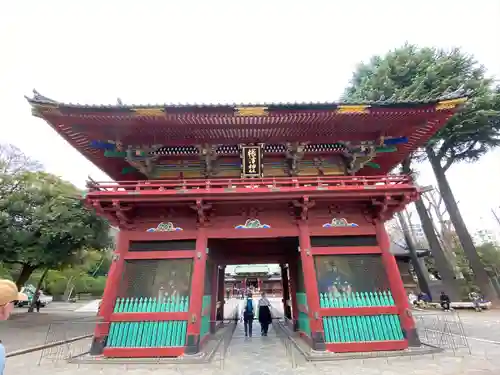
(40, 98)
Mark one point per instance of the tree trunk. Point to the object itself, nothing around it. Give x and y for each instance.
(35, 296)
(24, 275)
(445, 271)
(423, 281)
(443, 266)
(445, 233)
(481, 277)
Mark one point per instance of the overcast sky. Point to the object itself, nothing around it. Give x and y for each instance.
(223, 51)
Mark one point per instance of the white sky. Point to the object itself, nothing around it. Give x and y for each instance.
(223, 51)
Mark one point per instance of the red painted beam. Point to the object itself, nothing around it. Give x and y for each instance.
(352, 347)
(162, 236)
(358, 311)
(148, 316)
(353, 192)
(143, 352)
(177, 254)
(367, 230)
(346, 250)
(252, 233)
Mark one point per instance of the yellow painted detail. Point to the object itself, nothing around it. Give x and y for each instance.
(153, 112)
(353, 109)
(251, 111)
(450, 104)
(47, 109)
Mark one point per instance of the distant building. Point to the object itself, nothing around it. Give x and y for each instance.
(259, 277)
(486, 235)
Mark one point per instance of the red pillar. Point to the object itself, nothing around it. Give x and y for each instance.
(110, 294)
(285, 291)
(197, 291)
(311, 286)
(214, 293)
(396, 285)
(221, 292)
(294, 274)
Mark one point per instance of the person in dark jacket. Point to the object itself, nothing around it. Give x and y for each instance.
(445, 302)
(248, 314)
(265, 317)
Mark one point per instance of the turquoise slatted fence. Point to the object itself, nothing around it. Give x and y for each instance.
(343, 329)
(149, 334)
(363, 299)
(205, 319)
(304, 324)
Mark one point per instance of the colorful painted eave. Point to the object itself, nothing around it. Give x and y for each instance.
(190, 124)
(40, 101)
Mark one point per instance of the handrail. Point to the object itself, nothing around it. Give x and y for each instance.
(233, 183)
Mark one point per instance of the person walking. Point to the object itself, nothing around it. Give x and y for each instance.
(8, 294)
(38, 302)
(248, 315)
(265, 317)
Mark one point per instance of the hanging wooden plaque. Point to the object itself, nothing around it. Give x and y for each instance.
(251, 161)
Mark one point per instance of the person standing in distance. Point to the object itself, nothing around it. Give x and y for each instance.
(8, 294)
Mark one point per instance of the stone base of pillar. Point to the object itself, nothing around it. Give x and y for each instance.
(193, 344)
(97, 346)
(213, 327)
(318, 341)
(412, 337)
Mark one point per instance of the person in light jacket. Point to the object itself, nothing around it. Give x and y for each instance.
(265, 317)
(8, 294)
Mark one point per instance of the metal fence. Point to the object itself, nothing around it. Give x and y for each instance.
(442, 330)
(227, 335)
(70, 341)
(289, 346)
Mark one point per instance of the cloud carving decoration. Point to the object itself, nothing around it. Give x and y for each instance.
(337, 223)
(252, 224)
(164, 227)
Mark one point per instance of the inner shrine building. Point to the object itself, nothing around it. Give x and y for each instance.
(198, 187)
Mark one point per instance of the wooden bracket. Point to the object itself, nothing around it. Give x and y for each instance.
(382, 206)
(208, 154)
(294, 153)
(123, 220)
(96, 205)
(201, 211)
(407, 198)
(304, 206)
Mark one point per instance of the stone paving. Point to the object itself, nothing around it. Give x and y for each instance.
(266, 355)
(25, 330)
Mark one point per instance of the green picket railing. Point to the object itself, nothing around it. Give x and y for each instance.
(342, 329)
(303, 319)
(167, 304)
(205, 318)
(357, 299)
(149, 334)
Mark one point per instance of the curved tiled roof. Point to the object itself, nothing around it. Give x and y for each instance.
(190, 124)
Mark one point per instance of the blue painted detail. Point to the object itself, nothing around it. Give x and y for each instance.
(395, 141)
